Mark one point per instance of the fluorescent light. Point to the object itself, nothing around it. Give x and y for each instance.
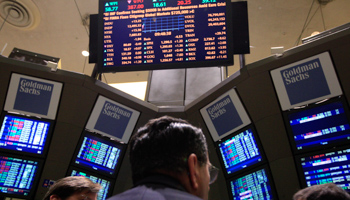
(85, 53)
(136, 89)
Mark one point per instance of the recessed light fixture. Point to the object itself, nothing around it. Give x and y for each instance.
(85, 53)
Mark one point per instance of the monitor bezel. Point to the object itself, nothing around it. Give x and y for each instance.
(233, 134)
(48, 136)
(36, 178)
(268, 174)
(180, 65)
(290, 134)
(299, 168)
(122, 146)
(111, 180)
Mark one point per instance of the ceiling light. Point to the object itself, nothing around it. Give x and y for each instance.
(136, 89)
(85, 53)
(315, 33)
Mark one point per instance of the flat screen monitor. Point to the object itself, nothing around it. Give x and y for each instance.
(112, 119)
(99, 154)
(257, 184)
(107, 184)
(319, 126)
(18, 176)
(139, 35)
(225, 115)
(240, 150)
(25, 135)
(331, 166)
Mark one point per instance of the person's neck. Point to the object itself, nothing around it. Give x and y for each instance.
(181, 177)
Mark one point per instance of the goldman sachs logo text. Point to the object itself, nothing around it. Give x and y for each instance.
(114, 111)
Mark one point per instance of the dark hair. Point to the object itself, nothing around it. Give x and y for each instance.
(67, 186)
(165, 144)
(322, 192)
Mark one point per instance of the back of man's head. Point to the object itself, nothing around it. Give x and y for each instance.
(70, 185)
(328, 191)
(164, 144)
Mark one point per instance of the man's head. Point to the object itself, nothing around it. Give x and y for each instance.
(73, 188)
(322, 192)
(174, 147)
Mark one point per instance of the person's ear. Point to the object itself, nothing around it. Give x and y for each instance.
(54, 197)
(193, 170)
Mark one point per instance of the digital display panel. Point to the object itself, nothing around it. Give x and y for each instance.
(24, 134)
(240, 151)
(318, 126)
(225, 115)
(17, 176)
(331, 166)
(164, 34)
(255, 185)
(106, 184)
(99, 153)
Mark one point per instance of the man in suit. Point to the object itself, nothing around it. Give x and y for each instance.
(169, 160)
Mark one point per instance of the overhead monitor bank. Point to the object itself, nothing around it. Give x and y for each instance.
(139, 35)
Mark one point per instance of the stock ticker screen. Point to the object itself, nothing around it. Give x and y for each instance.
(99, 154)
(17, 176)
(23, 134)
(327, 167)
(319, 126)
(255, 185)
(162, 33)
(239, 151)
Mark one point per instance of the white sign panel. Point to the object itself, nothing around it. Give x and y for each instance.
(225, 115)
(306, 81)
(112, 119)
(33, 96)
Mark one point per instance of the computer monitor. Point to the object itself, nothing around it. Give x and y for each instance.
(139, 35)
(112, 119)
(319, 126)
(225, 115)
(99, 153)
(240, 150)
(19, 176)
(106, 183)
(256, 184)
(25, 135)
(326, 166)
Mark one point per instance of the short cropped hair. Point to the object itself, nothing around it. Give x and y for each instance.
(328, 191)
(68, 186)
(165, 144)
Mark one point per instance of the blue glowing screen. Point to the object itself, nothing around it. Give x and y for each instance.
(329, 167)
(255, 185)
(325, 124)
(17, 175)
(23, 134)
(240, 151)
(98, 153)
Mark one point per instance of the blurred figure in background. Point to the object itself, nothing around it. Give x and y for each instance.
(73, 188)
(328, 191)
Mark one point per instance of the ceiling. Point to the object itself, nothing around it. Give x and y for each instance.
(59, 29)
